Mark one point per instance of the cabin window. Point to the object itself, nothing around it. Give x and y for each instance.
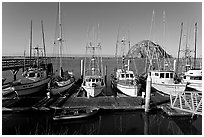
(184, 77)
(32, 75)
(156, 74)
(171, 75)
(131, 76)
(122, 75)
(38, 75)
(196, 78)
(88, 80)
(167, 75)
(96, 80)
(161, 75)
(127, 75)
(93, 80)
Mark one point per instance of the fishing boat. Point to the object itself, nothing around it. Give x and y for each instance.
(35, 79)
(163, 81)
(61, 81)
(124, 79)
(193, 77)
(93, 78)
(75, 113)
(164, 78)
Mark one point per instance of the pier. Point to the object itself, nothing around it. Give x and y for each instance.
(188, 101)
(16, 63)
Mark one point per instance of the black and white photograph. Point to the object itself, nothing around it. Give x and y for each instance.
(101, 68)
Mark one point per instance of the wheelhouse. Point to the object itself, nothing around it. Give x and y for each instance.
(166, 75)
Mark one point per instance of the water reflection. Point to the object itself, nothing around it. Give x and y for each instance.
(105, 123)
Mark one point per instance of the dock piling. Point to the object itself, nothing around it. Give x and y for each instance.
(148, 92)
(174, 65)
(106, 76)
(82, 66)
(128, 64)
(14, 73)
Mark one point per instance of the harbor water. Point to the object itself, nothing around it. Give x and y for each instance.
(106, 122)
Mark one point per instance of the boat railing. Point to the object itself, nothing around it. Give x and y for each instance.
(188, 101)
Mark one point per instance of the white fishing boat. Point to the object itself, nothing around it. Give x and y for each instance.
(163, 77)
(126, 82)
(124, 79)
(163, 81)
(193, 79)
(93, 78)
(61, 82)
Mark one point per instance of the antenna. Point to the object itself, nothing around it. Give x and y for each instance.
(30, 41)
(164, 31)
(151, 24)
(195, 44)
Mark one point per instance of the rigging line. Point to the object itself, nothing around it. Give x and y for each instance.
(151, 26)
(116, 54)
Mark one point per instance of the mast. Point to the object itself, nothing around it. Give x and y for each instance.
(87, 44)
(99, 44)
(43, 38)
(60, 41)
(179, 48)
(195, 45)
(186, 51)
(30, 43)
(116, 48)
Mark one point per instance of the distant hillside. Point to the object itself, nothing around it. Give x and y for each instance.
(140, 50)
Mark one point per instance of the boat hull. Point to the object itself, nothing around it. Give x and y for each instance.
(58, 90)
(31, 88)
(93, 91)
(87, 113)
(130, 90)
(168, 89)
(197, 87)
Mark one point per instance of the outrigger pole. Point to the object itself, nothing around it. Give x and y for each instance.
(179, 48)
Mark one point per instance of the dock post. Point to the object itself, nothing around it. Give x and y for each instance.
(14, 72)
(148, 92)
(106, 76)
(146, 124)
(128, 64)
(82, 66)
(174, 65)
(48, 94)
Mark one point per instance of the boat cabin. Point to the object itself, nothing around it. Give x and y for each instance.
(125, 75)
(34, 74)
(93, 81)
(162, 76)
(193, 76)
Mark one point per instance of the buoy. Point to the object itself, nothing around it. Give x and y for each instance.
(148, 92)
(48, 94)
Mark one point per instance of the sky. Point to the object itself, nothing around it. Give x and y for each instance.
(133, 17)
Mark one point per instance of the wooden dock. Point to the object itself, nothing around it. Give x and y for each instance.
(105, 102)
(119, 102)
